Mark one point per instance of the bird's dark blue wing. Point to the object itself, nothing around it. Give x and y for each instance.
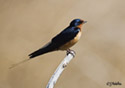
(65, 36)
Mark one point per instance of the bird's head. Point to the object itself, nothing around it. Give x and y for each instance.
(77, 23)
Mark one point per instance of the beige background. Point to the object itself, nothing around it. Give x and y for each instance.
(26, 25)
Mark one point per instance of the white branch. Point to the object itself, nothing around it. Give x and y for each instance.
(60, 69)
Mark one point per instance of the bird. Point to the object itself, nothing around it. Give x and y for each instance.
(62, 41)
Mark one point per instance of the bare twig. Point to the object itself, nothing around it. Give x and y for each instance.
(60, 69)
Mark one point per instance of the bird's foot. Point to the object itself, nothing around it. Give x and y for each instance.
(69, 51)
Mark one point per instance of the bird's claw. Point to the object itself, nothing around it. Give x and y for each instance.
(69, 51)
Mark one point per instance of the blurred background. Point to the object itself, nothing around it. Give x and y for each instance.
(27, 25)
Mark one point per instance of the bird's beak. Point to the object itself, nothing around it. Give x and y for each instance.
(85, 22)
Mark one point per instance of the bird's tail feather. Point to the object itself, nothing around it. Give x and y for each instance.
(14, 65)
(38, 52)
(47, 48)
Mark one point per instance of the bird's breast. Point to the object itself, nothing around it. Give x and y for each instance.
(71, 42)
(78, 36)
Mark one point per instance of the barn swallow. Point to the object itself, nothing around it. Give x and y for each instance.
(64, 40)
